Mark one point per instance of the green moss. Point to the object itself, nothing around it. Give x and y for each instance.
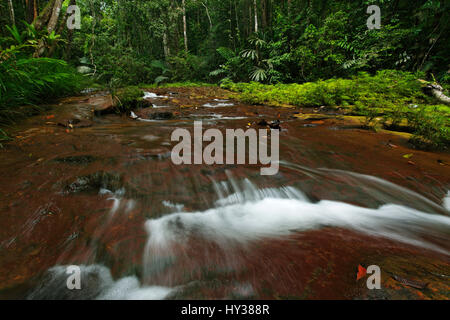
(178, 85)
(395, 96)
(384, 90)
(129, 98)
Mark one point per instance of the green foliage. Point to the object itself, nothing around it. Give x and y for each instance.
(386, 89)
(3, 137)
(431, 127)
(394, 95)
(186, 84)
(128, 98)
(187, 67)
(25, 81)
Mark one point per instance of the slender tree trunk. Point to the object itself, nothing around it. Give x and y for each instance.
(50, 14)
(209, 16)
(166, 45)
(35, 10)
(43, 17)
(255, 5)
(250, 19)
(55, 16)
(185, 26)
(11, 12)
(61, 27)
(264, 14)
(29, 11)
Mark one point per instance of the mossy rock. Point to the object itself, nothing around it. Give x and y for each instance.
(130, 98)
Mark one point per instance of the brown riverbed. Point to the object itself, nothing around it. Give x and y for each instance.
(53, 211)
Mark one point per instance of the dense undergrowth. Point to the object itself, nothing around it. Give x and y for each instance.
(26, 82)
(394, 98)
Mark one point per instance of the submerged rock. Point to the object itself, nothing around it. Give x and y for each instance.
(79, 160)
(162, 116)
(102, 105)
(95, 182)
(75, 123)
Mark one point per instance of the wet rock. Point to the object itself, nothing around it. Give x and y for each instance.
(410, 283)
(314, 117)
(276, 125)
(53, 285)
(84, 69)
(75, 123)
(95, 182)
(103, 105)
(263, 123)
(161, 116)
(78, 160)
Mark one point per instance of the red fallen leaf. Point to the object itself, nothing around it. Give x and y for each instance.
(362, 272)
(50, 117)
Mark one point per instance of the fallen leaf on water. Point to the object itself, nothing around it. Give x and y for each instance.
(408, 156)
(362, 272)
(411, 163)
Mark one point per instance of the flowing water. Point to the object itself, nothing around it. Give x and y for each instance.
(108, 199)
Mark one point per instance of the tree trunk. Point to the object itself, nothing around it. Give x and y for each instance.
(166, 45)
(256, 15)
(438, 93)
(264, 14)
(42, 19)
(60, 30)
(35, 11)
(11, 12)
(49, 16)
(55, 16)
(209, 16)
(185, 26)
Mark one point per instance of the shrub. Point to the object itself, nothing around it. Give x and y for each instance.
(28, 81)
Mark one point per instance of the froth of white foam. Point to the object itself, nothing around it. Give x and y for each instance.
(272, 217)
(151, 95)
(96, 283)
(129, 289)
(446, 202)
(218, 105)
